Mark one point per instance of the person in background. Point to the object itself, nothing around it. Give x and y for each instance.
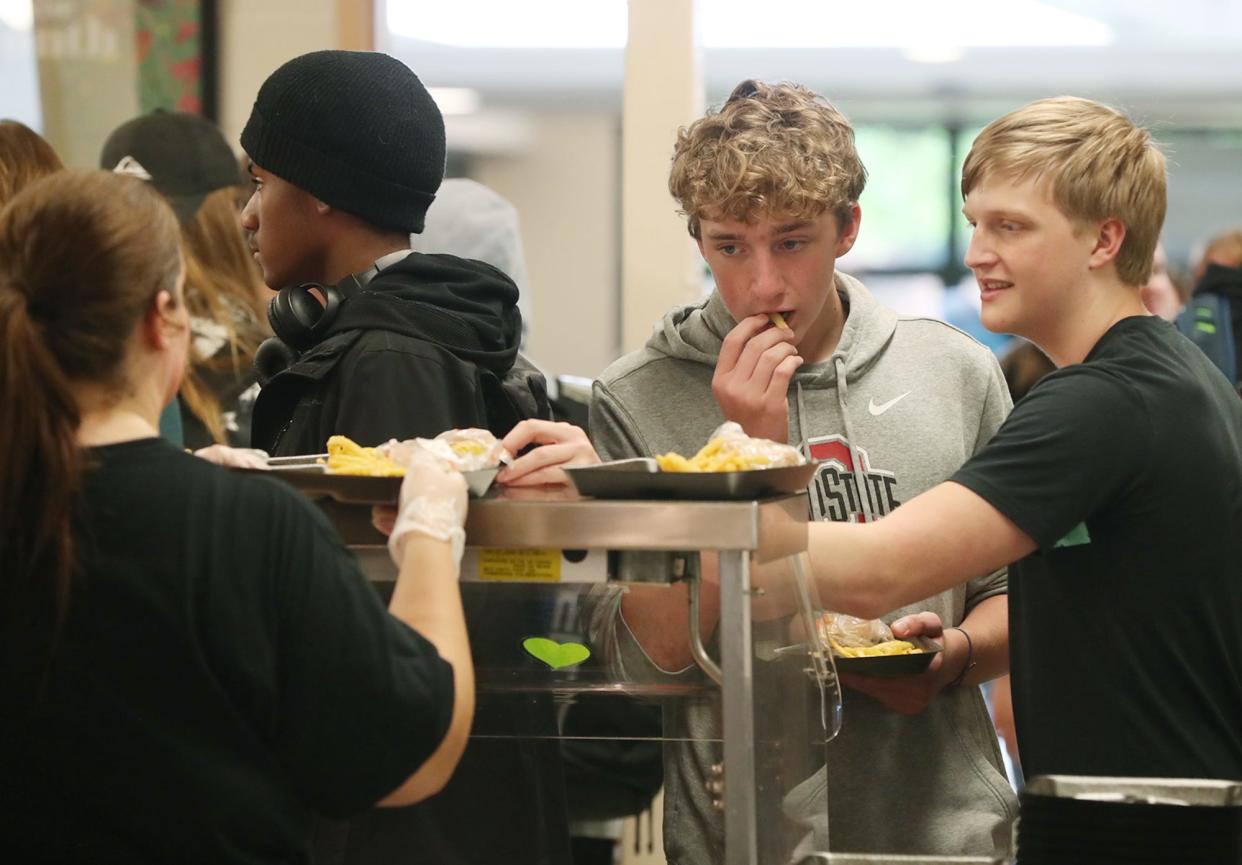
(376, 341)
(1218, 271)
(25, 156)
(1161, 294)
(188, 161)
(471, 220)
(1023, 366)
(192, 666)
(1223, 250)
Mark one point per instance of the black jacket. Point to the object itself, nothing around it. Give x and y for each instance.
(431, 343)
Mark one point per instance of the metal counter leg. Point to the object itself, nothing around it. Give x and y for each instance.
(737, 702)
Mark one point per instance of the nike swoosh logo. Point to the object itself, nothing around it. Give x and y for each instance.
(877, 410)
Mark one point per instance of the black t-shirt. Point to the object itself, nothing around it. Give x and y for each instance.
(1126, 624)
(224, 672)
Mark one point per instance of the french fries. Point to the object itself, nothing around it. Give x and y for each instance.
(347, 457)
(778, 320)
(731, 450)
(890, 647)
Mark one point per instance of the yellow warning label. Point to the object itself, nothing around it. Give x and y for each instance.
(531, 566)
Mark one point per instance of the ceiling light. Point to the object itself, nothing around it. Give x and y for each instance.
(512, 23)
(900, 23)
(17, 14)
(933, 53)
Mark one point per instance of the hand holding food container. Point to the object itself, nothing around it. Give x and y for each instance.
(901, 666)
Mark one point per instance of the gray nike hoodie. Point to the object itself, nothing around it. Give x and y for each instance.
(899, 406)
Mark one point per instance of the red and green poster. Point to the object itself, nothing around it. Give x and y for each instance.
(170, 55)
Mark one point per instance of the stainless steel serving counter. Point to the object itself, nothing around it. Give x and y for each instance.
(558, 518)
(742, 531)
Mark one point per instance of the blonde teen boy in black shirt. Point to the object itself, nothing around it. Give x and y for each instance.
(1114, 488)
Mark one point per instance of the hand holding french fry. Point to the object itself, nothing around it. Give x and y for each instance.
(757, 361)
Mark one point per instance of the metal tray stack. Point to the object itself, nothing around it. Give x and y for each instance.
(1067, 820)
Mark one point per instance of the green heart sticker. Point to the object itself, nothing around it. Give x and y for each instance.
(556, 655)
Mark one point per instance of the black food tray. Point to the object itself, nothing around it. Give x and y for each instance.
(641, 478)
(891, 666)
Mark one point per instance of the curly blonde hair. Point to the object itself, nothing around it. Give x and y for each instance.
(774, 148)
(1096, 162)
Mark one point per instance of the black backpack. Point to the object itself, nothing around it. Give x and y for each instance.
(1207, 321)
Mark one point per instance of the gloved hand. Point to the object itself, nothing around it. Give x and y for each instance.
(235, 458)
(433, 503)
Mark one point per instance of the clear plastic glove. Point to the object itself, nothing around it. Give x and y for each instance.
(433, 503)
(234, 458)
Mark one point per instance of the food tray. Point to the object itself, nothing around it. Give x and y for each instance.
(641, 478)
(891, 666)
(308, 476)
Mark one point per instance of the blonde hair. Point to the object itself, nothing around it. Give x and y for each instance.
(1099, 165)
(775, 148)
(222, 284)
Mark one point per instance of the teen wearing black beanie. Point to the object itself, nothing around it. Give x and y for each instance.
(347, 152)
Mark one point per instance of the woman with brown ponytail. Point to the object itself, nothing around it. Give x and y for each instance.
(191, 664)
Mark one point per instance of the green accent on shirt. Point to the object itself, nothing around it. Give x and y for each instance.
(1076, 536)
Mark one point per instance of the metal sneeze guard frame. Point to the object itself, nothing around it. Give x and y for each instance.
(558, 519)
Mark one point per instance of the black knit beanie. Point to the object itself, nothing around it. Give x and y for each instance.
(355, 129)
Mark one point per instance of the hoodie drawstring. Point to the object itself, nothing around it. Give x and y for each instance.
(803, 445)
(865, 505)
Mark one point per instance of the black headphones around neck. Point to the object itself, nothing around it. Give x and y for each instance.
(299, 321)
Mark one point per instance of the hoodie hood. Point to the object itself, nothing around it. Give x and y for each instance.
(695, 333)
(473, 221)
(466, 306)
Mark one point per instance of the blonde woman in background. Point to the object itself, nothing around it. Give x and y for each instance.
(188, 161)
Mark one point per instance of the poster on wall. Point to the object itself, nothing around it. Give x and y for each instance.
(175, 52)
(101, 62)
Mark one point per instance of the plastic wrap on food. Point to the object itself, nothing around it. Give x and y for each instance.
(466, 450)
(851, 637)
(730, 449)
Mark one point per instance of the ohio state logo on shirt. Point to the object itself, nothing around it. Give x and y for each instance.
(835, 494)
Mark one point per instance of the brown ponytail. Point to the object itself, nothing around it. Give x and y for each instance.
(83, 254)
